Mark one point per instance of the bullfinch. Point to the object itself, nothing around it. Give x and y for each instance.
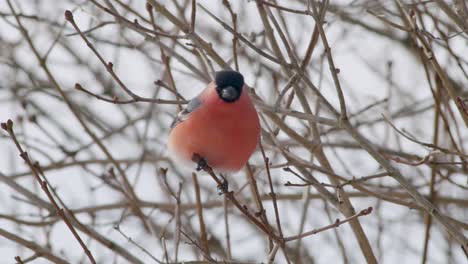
(220, 124)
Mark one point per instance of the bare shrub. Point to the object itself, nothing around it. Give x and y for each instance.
(364, 117)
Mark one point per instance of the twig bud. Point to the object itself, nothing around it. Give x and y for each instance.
(149, 7)
(32, 118)
(24, 103)
(24, 156)
(8, 125)
(69, 15)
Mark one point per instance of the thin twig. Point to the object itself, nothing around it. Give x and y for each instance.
(8, 127)
(337, 223)
(203, 236)
(129, 239)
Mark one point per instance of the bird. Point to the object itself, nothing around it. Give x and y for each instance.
(221, 125)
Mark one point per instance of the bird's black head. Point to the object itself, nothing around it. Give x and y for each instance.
(229, 85)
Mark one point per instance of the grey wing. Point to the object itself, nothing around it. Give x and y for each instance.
(189, 108)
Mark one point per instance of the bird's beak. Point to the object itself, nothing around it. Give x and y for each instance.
(229, 93)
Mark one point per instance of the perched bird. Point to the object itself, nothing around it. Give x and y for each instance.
(220, 124)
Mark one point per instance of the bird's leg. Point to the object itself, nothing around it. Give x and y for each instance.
(224, 186)
(203, 165)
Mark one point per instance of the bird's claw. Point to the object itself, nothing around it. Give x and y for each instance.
(201, 164)
(223, 187)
